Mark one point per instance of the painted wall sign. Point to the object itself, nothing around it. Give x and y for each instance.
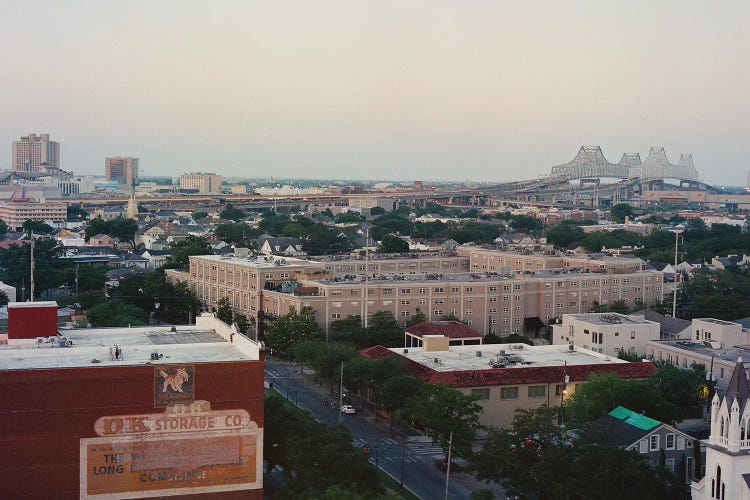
(185, 450)
(173, 384)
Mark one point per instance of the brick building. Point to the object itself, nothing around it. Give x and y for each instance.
(129, 412)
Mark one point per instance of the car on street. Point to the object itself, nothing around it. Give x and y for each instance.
(348, 409)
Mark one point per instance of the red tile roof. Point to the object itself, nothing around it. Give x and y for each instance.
(451, 329)
(514, 376)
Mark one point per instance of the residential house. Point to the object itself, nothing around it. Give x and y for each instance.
(651, 439)
(281, 246)
(103, 240)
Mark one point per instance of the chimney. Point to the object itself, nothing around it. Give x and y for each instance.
(29, 320)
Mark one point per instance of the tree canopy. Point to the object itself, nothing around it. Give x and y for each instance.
(182, 250)
(291, 329)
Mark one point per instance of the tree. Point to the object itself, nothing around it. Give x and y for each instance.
(396, 392)
(123, 229)
(292, 328)
(3, 228)
(77, 213)
(377, 211)
(564, 234)
(383, 329)
(620, 211)
(535, 460)
(237, 233)
(348, 329)
(448, 414)
(393, 244)
(151, 293)
(349, 217)
(242, 323)
(36, 226)
(115, 312)
(4, 298)
(603, 392)
(418, 317)
(231, 213)
(526, 223)
(200, 214)
(224, 310)
(182, 250)
(617, 306)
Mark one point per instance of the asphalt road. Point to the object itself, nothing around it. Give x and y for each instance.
(410, 459)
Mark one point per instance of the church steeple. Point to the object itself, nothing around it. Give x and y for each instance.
(738, 388)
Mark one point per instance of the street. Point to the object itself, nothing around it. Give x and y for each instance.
(410, 459)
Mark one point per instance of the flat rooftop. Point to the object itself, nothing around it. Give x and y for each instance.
(465, 357)
(603, 319)
(437, 278)
(724, 353)
(261, 261)
(188, 344)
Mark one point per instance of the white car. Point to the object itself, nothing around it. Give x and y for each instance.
(348, 409)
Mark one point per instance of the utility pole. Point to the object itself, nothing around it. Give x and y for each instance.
(367, 272)
(32, 265)
(77, 278)
(448, 465)
(341, 391)
(677, 231)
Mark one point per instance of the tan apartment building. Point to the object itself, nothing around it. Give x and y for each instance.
(490, 260)
(15, 213)
(207, 183)
(507, 377)
(436, 286)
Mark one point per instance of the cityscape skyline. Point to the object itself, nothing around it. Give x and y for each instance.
(339, 90)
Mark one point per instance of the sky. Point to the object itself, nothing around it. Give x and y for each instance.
(450, 90)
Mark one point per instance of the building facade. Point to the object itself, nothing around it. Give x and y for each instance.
(129, 412)
(33, 150)
(607, 333)
(728, 448)
(507, 377)
(121, 169)
(15, 213)
(202, 183)
(490, 302)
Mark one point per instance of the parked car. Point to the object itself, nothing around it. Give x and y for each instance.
(348, 409)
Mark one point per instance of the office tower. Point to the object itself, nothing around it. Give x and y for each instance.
(34, 150)
(123, 169)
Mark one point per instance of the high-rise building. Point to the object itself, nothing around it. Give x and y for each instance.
(207, 183)
(34, 150)
(123, 169)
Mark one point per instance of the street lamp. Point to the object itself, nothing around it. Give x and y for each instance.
(677, 232)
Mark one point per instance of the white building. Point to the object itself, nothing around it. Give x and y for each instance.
(607, 333)
(708, 342)
(121, 169)
(728, 448)
(207, 183)
(33, 150)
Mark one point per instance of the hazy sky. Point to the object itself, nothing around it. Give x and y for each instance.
(380, 89)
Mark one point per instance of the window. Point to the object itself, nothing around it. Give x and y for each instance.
(670, 464)
(438, 312)
(509, 393)
(670, 441)
(481, 394)
(438, 290)
(406, 290)
(493, 310)
(721, 373)
(653, 443)
(405, 302)
(469, 301)
(387, 291)
(468, 311)
(438, 301)
(422, 290)
(405, 314)
(469, 289)
(493, 299)
(454, 289)
(493, 288)
(632, 335)
(335, 315)
(422, 302)
(537, 391)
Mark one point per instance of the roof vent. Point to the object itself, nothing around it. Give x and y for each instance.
(406, 351)
(437, 361)
(479, 354)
